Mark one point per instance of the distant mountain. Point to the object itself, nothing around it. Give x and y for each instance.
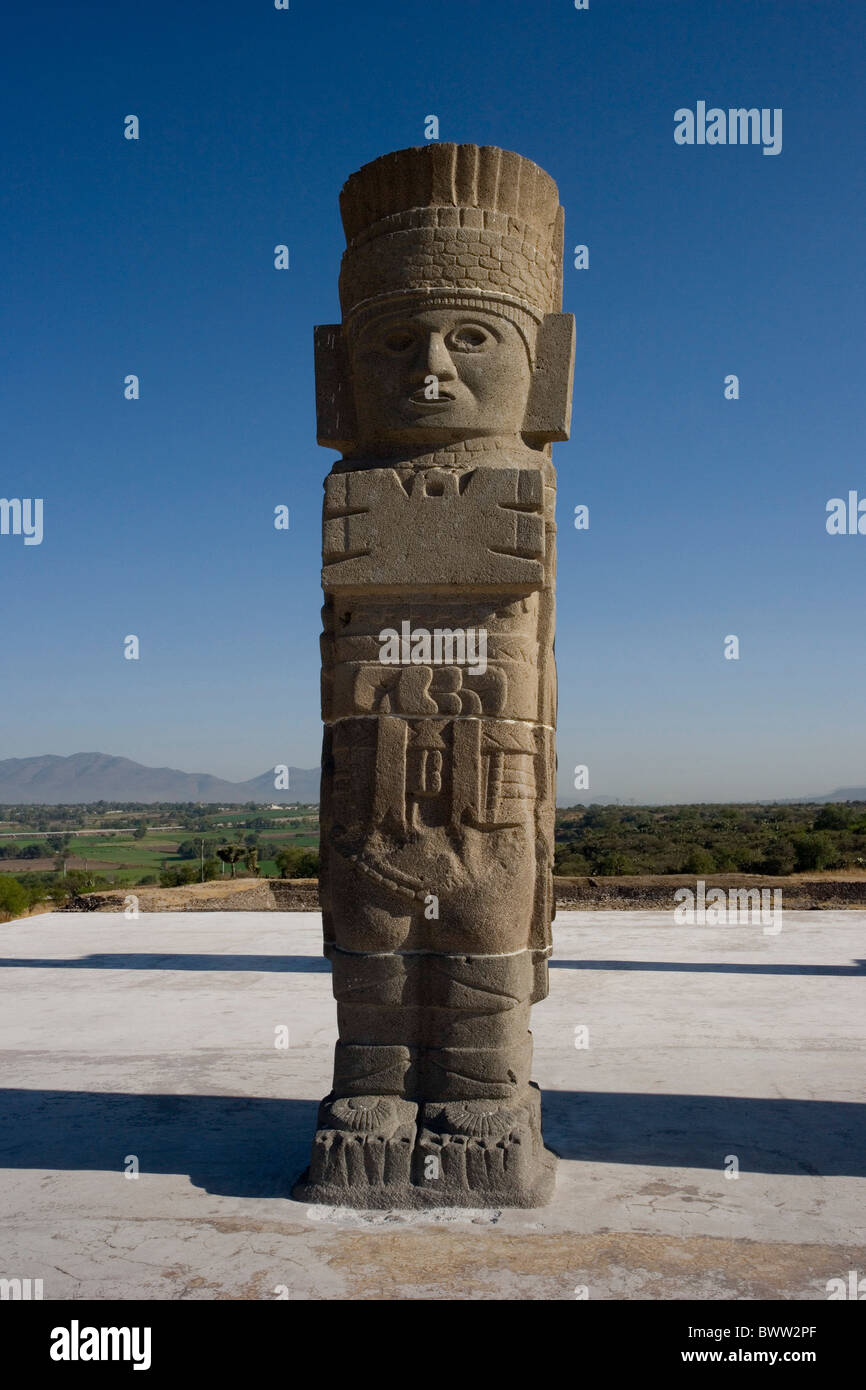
(841, 794)
(83, 777)
(566, 799)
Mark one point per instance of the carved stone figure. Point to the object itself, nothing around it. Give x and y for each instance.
(443, 388)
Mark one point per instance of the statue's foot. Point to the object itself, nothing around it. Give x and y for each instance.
(378, 1152)
(487, 1150)
(361, 1143)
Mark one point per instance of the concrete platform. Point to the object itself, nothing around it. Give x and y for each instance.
(156, 1039)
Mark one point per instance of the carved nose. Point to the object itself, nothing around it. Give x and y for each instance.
(436, 360)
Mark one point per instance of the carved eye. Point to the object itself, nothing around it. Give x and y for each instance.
(398, 341)
(469, 338)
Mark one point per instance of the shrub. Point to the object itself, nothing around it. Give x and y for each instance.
(78, 881)
(726, 862)
(297, 863)
(573, 866)
(14, 898)
(178, 877)
(813, 852)
(779, 858)
(615, 863)
(699, 861)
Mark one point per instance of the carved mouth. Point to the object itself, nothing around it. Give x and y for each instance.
(418, 397)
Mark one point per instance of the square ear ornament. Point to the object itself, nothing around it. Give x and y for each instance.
(336, 424)
(548, 410)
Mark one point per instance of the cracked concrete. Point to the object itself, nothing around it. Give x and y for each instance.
(710, 1049)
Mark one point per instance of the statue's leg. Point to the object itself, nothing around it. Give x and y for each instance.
(366, 1130)
(479, 1130)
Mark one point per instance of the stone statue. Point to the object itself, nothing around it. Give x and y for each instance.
(443, 388)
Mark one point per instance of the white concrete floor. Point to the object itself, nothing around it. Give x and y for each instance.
(156, 1039)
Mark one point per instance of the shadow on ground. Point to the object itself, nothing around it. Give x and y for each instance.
(255, 1147)
(232, 1145)
(821, 1138)
(297, 965)
(304, 965)
(710, 967)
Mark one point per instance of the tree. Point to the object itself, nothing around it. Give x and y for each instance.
(140, 830)
(251, 859)
(230, 854)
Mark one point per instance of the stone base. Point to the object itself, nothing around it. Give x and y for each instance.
(381, 1152)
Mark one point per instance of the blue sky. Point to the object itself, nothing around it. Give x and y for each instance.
(156, 257)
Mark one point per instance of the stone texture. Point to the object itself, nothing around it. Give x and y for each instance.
(443, 388)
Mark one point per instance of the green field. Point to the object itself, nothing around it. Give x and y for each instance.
(609, 840)
(125, 858)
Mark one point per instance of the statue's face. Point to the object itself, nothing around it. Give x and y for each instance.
(437, 376)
